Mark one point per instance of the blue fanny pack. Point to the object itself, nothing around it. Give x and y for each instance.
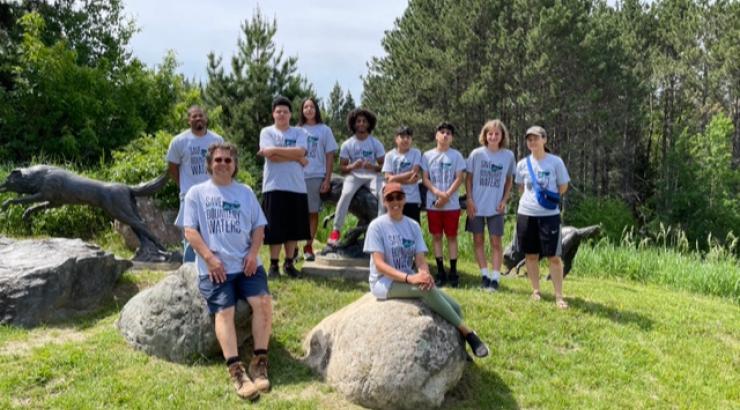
(547, 199)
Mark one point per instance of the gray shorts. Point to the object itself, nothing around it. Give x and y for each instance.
(477, 224)
(313, 189)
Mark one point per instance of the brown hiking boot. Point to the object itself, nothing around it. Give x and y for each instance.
(244, 387)
(258, 372)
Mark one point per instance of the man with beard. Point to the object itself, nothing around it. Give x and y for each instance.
(186, 159)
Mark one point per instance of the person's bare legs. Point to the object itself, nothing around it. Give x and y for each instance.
(556, 274)
(480, 251)
(437, 245)
(313, 224)
(452, 246)
(497, 252)
(261, 320)
(532, 262)
(226, 332)
(289, 250)
(275, 251)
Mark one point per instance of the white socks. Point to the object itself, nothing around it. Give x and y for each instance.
(495, 275)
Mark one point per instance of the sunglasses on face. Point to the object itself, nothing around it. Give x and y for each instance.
(395, 197)
(225, 160)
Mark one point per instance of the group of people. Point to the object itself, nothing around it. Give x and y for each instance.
(225, 225)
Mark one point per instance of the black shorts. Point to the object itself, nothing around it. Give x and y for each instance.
(413, 211)
(539, 234)
(287, 217)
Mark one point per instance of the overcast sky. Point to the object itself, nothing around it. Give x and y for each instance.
(333, 39)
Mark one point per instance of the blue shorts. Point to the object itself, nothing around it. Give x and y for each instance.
(220, 296)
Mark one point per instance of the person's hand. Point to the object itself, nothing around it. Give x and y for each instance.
(423, 279)
(250, 264)
(441, 194)
(303, 161)
(501, 207)
(470, 208)
(357, 164)
(368, 165)
(414, 178)
(325, 186)
(440, 202)
(216, 271)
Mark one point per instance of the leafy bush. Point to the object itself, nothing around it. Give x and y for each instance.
(612, 214)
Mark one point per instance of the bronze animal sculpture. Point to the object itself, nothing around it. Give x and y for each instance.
(49, 187)
(571, 238)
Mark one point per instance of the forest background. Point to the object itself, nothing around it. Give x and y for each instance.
(641, 99)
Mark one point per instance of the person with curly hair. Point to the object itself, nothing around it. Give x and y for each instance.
(360, 160)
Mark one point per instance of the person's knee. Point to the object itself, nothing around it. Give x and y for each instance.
(437, 236)
(225, 314)
(555, 261)
(261, 305)
(532, 257)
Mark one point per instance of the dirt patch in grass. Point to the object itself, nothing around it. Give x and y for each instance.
(41, 338)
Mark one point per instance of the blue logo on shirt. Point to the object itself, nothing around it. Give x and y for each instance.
(228, 206)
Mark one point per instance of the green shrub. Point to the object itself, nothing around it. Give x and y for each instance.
(612, 214)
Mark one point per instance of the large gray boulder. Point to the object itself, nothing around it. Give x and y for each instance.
(171, 320)
(387, 354)
(48, 280)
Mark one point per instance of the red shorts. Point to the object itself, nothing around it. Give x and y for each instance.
(446, 221)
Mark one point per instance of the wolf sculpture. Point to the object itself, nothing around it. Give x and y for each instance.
(49, 187)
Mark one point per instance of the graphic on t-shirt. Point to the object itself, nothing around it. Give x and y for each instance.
(403, 165)
(543, 179)
(289, 143)
(490, 174)
(367, 155)
(442, 174)
(222, 217)
(313, 146)
(402, 252)
(198, 160)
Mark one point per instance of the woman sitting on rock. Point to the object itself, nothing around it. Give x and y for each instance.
(395, 243)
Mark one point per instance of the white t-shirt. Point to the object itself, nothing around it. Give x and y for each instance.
(550, 173)
(320, 141)
(442, 168)
(369, 149)
(225, 216)
(283, 176)
(396, 163)
(399, 241)
(189, 152)
(489, 171)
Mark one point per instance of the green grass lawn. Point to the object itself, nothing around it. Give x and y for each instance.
(620, 345)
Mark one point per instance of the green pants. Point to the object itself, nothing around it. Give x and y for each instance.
(438, 301)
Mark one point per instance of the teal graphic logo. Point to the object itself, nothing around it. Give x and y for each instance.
(312, 139)
(405, 164)
(445, 165)
(543, 174)
(408, 243)
(290, 143)
(495, 167)
(228, 206)
(367, 154)
(203, 152)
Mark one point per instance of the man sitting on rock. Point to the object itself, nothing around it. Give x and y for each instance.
(225, 225)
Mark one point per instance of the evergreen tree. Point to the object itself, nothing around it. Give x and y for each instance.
(258, 74)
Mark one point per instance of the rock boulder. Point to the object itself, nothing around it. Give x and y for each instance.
(171, 319)
(47, 280)
(387, 354)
